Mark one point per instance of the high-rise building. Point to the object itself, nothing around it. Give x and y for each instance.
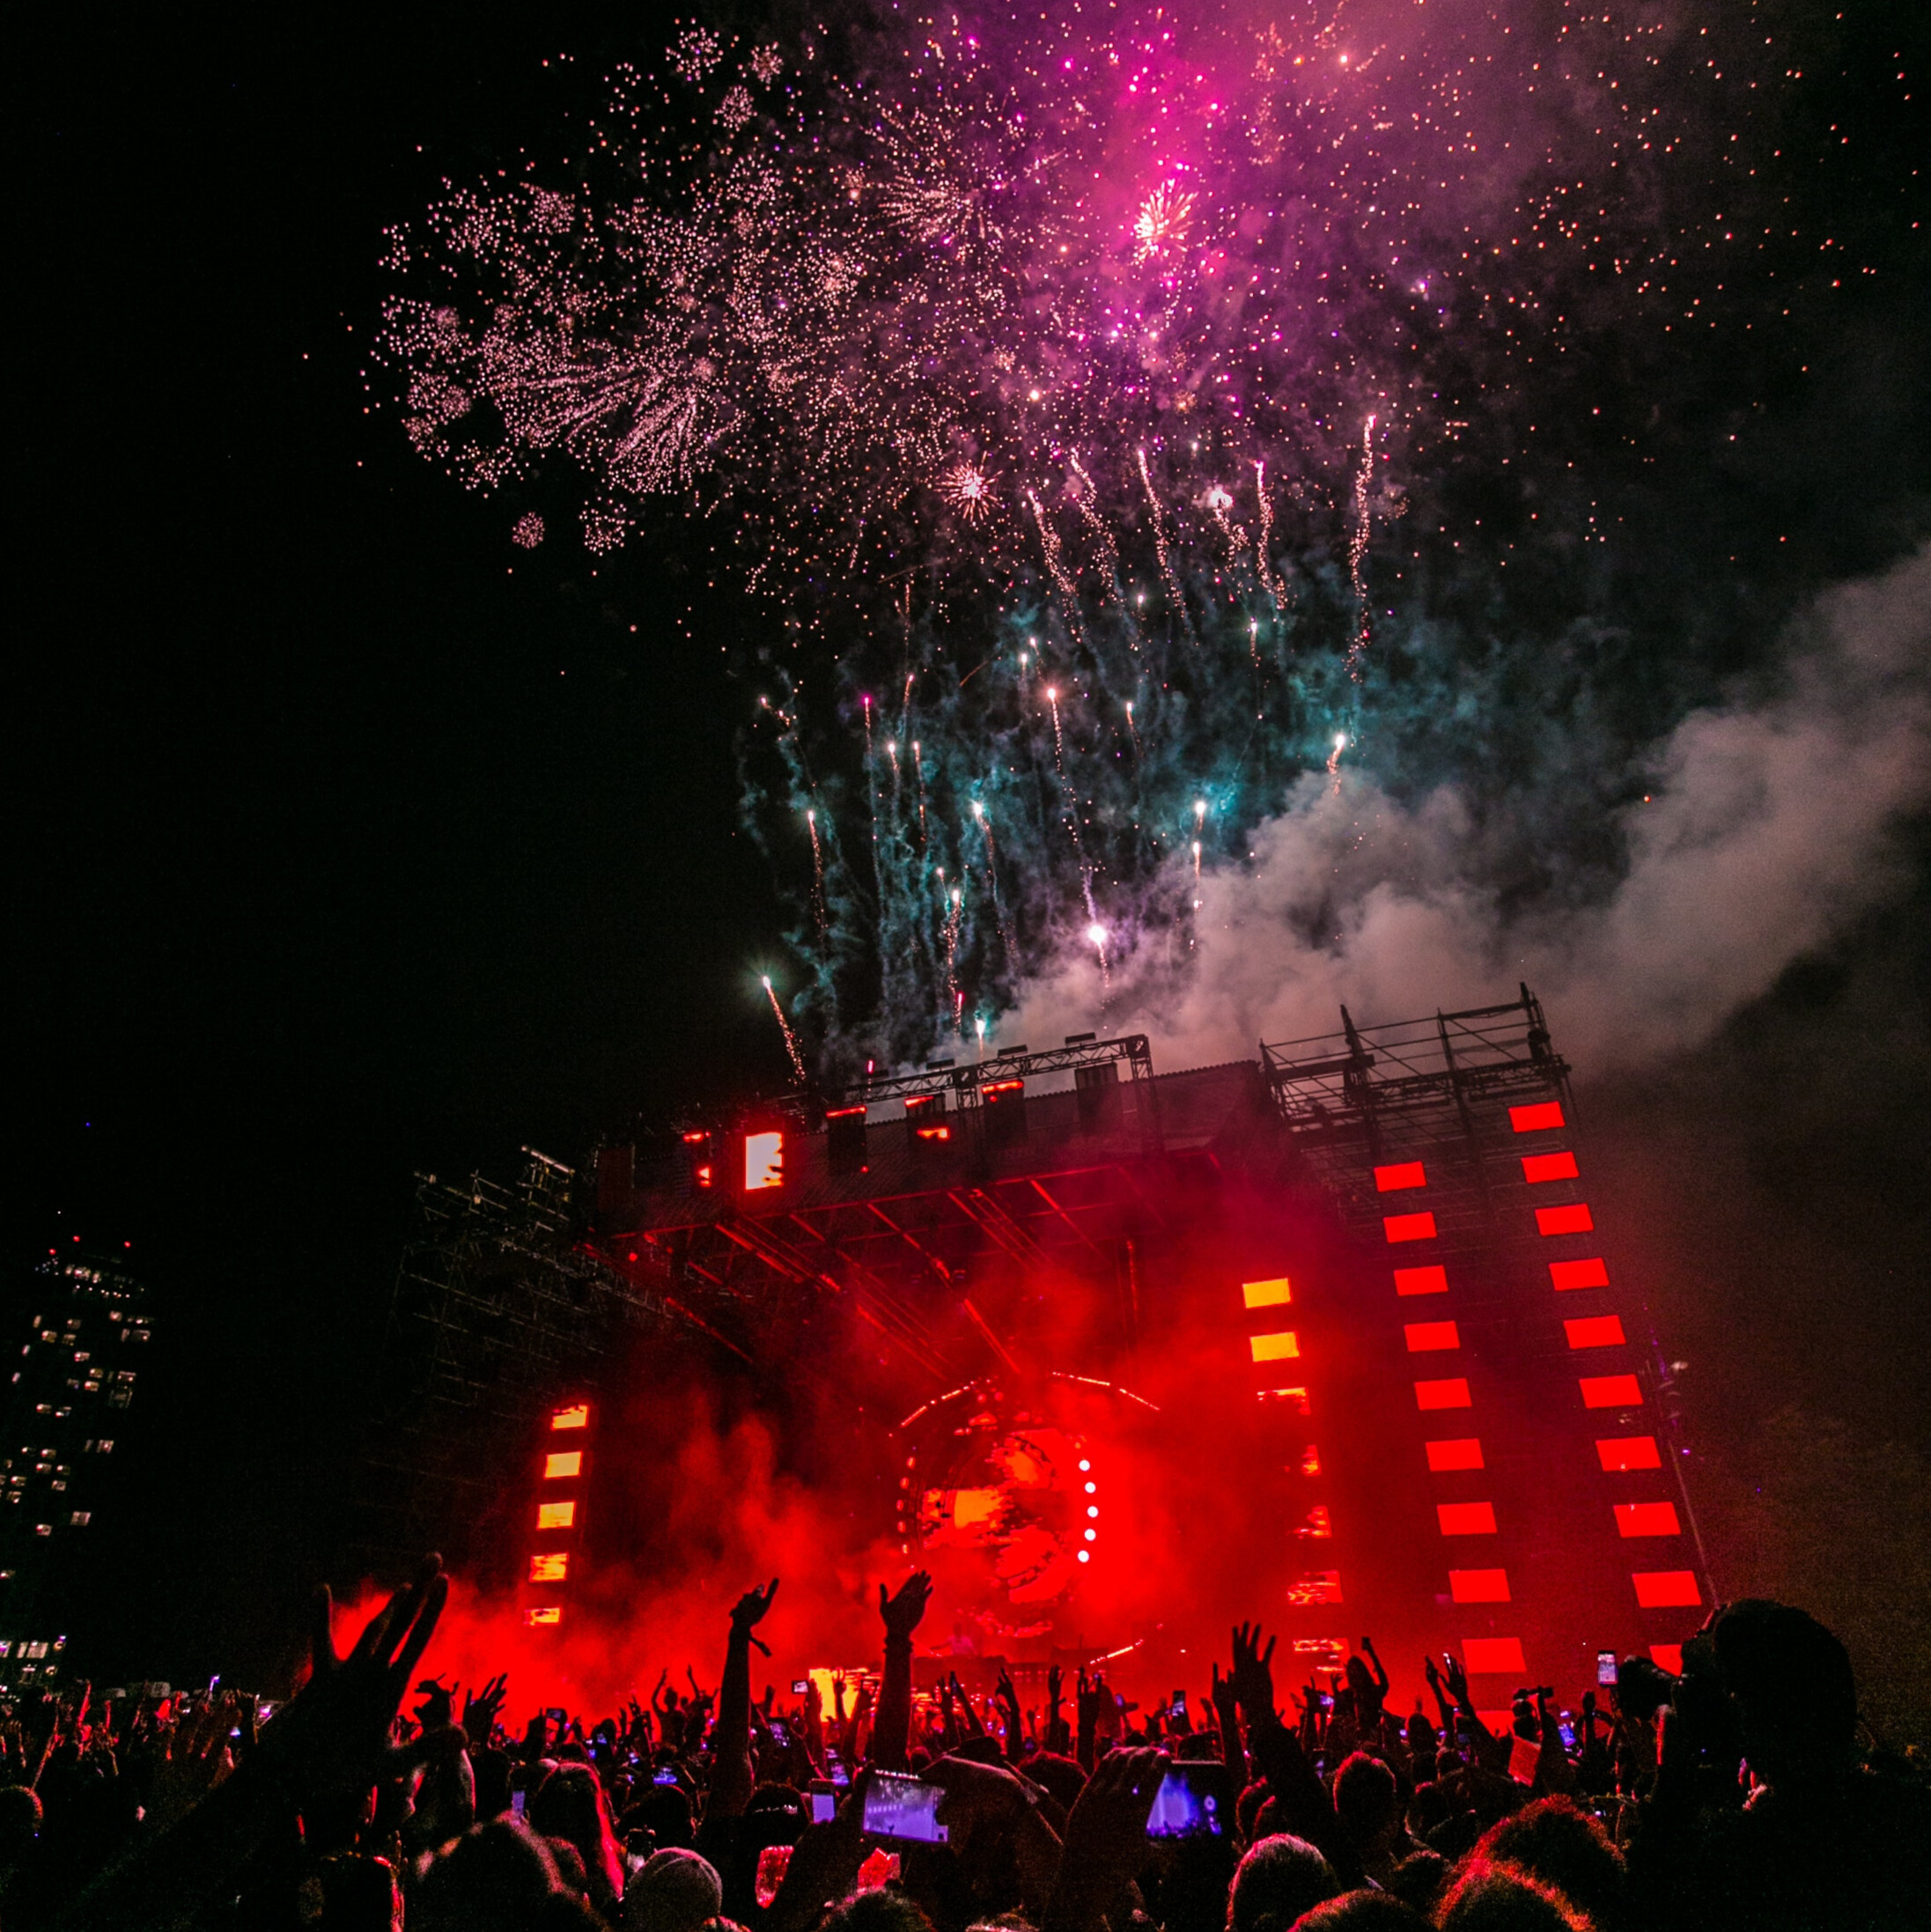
(80, 1358)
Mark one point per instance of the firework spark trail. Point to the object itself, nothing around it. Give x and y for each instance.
(1178, 602)
(1357, 552)
(1263, 546)
(817, 878)
(918, 770)
(983, 820)
(1072, 801)
(785, 1026)
(1049, 541)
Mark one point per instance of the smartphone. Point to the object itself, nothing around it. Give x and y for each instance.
(1189, 1802)
(664, 1775)
(1565, 1731)
(896, 1806)
(801, 1686)
(824, 1807)
(517, 1800)
(834, 1765)
(555, 1712)
(1605, 1667)
(1178, 1705)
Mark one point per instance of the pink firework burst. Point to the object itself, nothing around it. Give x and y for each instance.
(528, 531)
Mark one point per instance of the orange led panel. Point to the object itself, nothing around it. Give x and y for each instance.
(1549, 1166)
(577, 1416)
(1574, 1219)
(1295, 1399)
(1267, 1294)
(1665, 1590)
(1454, 1452)
(1667, 1656)
(1482, 1656)
(763, 1160)
(1479, 1586)
(1533, 1119)
(1281, 1347)
(562, 1463)
(1466, 1519)
(1409, 1227)
(1579, 1274)
(1403, 1174)
(1611, 1391)
(555, 1516)
(543, 1613)
(1424, 1336)
(1620, 1452)
(1647, 1519)
(1452, 1393)
(1421, 1281)
(1594, 1331)
(550, 1567)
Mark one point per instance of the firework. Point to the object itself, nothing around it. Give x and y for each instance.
(1100, 356)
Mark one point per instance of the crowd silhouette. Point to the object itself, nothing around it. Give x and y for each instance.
(1742, 1794)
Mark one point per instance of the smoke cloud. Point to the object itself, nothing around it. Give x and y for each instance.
(1768, 823)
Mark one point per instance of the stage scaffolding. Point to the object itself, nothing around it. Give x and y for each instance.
(501, 1308)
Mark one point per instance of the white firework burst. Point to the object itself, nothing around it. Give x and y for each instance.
(1161, 222)
(967, 489)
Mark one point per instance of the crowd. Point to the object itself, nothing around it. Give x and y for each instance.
(1742, 1794)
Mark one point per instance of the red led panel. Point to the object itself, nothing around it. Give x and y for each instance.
(1668, 1656)
(1391, 1180)
(1547, 1113)
(1620, 1452)
(1575, 1219)
(1451, 1394)
(1549, 1166)
(1456, 1452)
(1421, 1281)
(1424, 1336)
(1410, 1226)
(1498, 1655)
(1611, 1391)
(1665, 1590)
(1466, 1519)
(1594, 1331)
(1579, 1274)
(1647, 1519)
(1481, 1586)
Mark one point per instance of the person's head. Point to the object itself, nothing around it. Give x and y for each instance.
(1489, 1898)
(879, 1911)
(1280, 1877)
(359, 1895)
(664, 1810)
(1360, 1911)
(1552, 1840)
(570, 1804)
(1061, 1777)
(1365, 1798)
(19, 1823)
(495, 1877)
(672, 1891)
(1361, 1682)
(1790, 1683)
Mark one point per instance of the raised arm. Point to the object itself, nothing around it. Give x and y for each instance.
(901, 1616)
(731, 1780)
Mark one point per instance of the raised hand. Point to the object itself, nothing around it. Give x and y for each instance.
(748, 1612)
(479, 1709)
(901, 1613)
(334, 1732)
(437, 1709)
(1252, 1675)
(1105, 1837)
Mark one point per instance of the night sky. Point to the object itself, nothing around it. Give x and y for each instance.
(343, 849)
